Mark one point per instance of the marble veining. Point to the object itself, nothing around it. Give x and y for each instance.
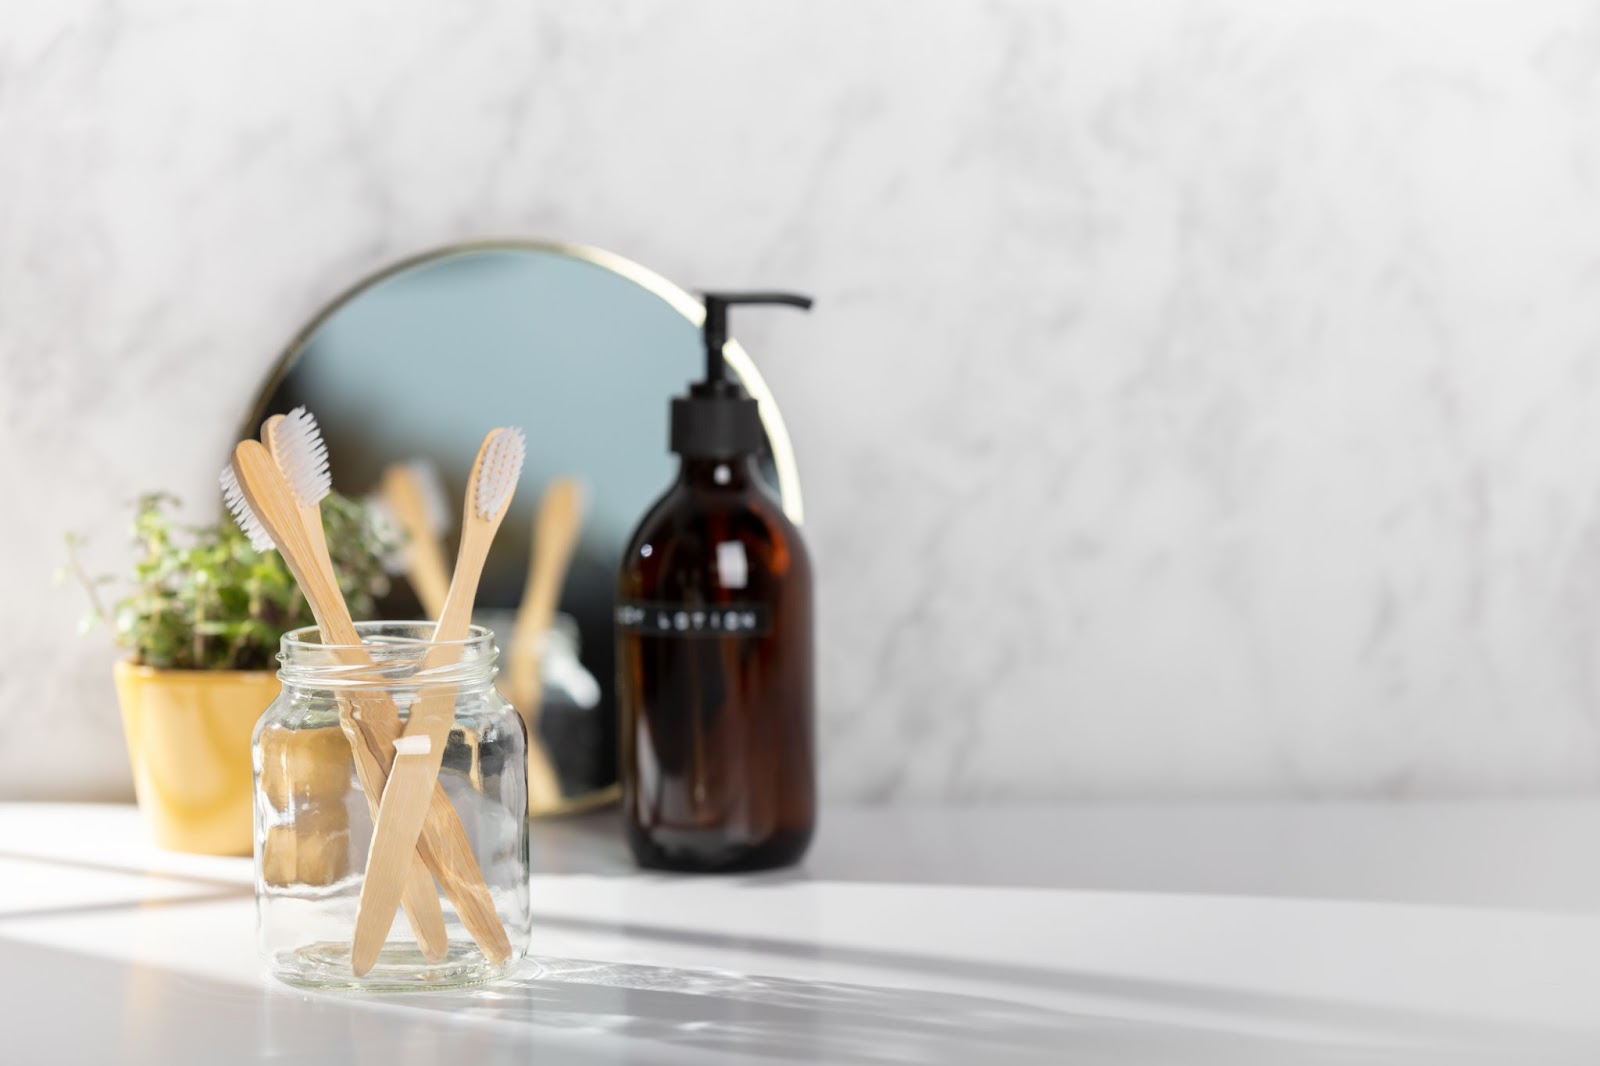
(1200, 400)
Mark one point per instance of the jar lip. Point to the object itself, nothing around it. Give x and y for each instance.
(385, 632)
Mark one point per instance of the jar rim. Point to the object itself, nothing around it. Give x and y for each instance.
(395, 654)
(388, 633)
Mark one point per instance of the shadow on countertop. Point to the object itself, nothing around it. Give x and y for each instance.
(785, 1019)
(575, 1011)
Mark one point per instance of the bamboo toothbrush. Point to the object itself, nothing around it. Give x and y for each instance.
(419, 752)
(414, 497)
(555, 534)
(296, 446)
(266, 509)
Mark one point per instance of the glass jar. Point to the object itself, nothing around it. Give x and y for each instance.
(313, 821)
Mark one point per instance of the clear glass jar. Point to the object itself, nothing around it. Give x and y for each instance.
(313, 824)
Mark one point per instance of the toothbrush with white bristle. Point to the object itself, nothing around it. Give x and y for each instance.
(269, 511)
(493, 480)
(296, 445)
(243, 516)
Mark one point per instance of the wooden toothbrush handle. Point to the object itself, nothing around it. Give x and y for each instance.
(443, 843)
(420, 898)
(398, 824)
(413, 778)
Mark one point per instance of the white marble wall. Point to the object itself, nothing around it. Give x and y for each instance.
(1203, 398)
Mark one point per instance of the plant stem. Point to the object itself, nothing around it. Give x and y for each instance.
(76, 566)
(199, 620)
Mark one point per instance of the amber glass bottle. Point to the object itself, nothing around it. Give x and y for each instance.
(714, 647)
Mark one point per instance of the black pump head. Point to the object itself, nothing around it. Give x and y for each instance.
(716, 328)
(717, 418)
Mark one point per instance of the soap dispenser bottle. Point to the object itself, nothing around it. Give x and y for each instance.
(714, 644)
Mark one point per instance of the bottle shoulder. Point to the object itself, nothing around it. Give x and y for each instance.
(683, 512)
(694, 534)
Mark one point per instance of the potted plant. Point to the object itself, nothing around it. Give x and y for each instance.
(201, 620)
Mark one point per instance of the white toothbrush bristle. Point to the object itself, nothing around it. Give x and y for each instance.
(435, 501)
(499, 472)
(242, 512)
(301, 453)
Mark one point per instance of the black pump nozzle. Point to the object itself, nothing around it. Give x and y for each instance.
(716, 329)
(717, 418)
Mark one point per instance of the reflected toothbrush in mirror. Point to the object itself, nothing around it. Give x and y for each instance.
(555, 534)
(413, 496)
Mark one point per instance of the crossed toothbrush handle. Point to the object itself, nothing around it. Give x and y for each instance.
(443, 841)
(421, 898)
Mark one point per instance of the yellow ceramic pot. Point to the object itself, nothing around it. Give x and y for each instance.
(188, 737)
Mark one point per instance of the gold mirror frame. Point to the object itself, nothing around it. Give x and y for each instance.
(678, 298)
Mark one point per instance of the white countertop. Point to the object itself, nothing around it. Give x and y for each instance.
(1326, 934)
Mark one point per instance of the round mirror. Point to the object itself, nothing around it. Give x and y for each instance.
(583, 350)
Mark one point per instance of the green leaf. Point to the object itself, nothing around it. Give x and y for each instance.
(201, 597)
